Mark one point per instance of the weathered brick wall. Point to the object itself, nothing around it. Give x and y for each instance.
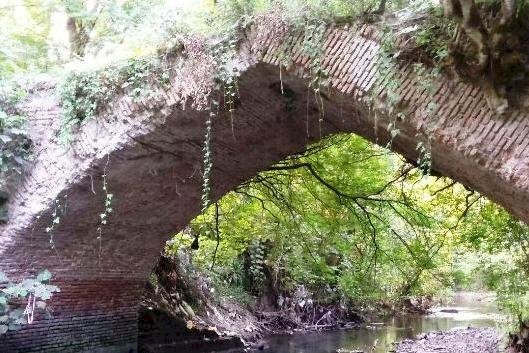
(151, 154)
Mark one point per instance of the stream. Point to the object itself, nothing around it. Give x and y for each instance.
(465, 309)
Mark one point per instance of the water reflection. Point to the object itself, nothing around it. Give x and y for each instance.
(467, 309)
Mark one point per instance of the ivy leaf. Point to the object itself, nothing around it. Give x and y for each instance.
(21, 321)
(16, 314)
(53, 289)
(3, 329)
(14, 327)
(16, 291)
(45, 291)
(29, 284)
(44, 276)
(42, 292)
(3, 278)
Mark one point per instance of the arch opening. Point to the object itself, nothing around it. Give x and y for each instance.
(345, 222)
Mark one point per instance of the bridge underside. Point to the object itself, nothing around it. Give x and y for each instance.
(155, 176)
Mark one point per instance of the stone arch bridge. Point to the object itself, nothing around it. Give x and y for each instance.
(149, 154)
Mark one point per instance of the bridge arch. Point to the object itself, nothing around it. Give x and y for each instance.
(148, 155)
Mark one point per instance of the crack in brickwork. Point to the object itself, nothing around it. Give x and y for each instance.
(154, 153)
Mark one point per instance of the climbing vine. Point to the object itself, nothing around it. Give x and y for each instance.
(55, 221)
(107, 210)
(208, 160)
(312, 46)
(226, 75)
(387, 81)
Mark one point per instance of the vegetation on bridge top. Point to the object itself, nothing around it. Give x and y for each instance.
(116, 47)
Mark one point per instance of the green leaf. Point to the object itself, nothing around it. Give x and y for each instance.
(22, 320)
(42, 292)
(53, 289)
(29, 284)
(14, 327)
(15, 291)
(45, 291)
(44, 276)
(3, 329)
(3, 278)
(16, 314)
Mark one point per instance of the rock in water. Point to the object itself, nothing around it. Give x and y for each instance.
(449, 311)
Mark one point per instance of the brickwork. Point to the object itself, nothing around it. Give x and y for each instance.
(150, 153)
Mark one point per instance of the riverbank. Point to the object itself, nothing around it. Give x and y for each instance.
(184, 311)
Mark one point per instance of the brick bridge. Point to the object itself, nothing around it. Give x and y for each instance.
(151, 154)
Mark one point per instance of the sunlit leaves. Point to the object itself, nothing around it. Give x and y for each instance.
(385, 225)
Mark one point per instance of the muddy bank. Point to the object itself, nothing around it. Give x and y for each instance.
(463, 340)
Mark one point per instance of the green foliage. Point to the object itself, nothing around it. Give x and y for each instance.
(33, 292)
(230, 282)
(15, 145)
(25, 27)
(364, 241)
(15, 149)
(434, 34)
(502, 246)
(296, 12)
(84, 94)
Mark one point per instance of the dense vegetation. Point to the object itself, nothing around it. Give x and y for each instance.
(348, 221)
(355, 224)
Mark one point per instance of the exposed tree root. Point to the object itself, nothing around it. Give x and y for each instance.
(519, 342)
